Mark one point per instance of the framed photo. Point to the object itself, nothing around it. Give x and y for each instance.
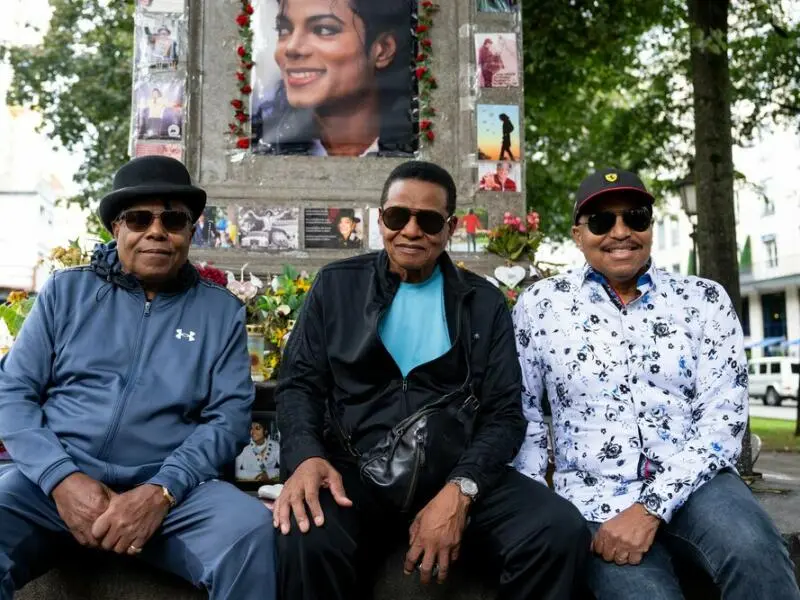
(498, 6)
(349, 91)
(502, 176)
(496, 57)
(168, 6)
(259, 462)
(498, 132)
(268, 228)
(211, 229)
(159, 109)
(157, 42)
(334, 228)
(471, 234)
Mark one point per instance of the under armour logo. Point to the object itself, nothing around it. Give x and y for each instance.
(179, 335)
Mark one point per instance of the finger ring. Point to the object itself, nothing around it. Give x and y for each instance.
(133, 549)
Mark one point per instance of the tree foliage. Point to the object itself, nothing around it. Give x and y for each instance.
(608, 83)
(79, 79)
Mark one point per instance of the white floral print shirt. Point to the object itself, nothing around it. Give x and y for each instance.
(649, 400)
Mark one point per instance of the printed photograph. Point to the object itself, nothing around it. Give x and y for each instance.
(375, 238)
(166, 6)
(333, 228)
(498, 6)
(260, 461)
(211, 229)
(471, 234)
(498, 132)
(333, 78)
(496, 57)
(159, 109)
(262, 228)
(159, 149)
(157, 42)
(501, 176)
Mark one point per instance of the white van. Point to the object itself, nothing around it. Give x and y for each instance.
(774, 378)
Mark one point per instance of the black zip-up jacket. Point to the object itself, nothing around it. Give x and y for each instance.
(335, 355)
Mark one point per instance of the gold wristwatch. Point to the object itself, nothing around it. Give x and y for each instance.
(168, 495)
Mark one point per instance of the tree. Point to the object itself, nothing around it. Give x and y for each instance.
(746, 257)
(79, 79)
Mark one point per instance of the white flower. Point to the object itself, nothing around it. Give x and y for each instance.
(256, 281)
(284, 310)
(275, 284)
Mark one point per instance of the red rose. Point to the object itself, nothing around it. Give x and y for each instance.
(425, 124)
(246, 89)
(233, 127)
(243, 143)
(241, 51)
(422, 28)
(426, 43)
(248, 8)
(420, 57)
(242, 20)
(247, 65)
(420, 71)
(241, 117)
(430, 135)
(212, 274)
(240, 76)
(237, 104)
(427, 4)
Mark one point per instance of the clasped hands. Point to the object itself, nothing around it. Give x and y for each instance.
(626, 538)
(98, 517)
(434, 536)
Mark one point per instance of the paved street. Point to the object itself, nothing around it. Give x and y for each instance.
(787, 411)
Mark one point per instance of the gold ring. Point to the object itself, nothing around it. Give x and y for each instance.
(133, 549)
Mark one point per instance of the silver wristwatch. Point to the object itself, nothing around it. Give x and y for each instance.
(468, 487)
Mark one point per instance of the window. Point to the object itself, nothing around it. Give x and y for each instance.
(675, 231)
(751, 368)
(795, 368)
(771, 250)
(762, 369)
(773, 311)
(775, 368)
(662, 235)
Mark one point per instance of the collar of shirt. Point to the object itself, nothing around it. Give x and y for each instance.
(645, 283)
(317, 149)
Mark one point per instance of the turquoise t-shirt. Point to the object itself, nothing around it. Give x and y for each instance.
(414, 329)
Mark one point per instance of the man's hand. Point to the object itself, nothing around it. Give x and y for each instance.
(435, 534)
(131, 519)
(627, 537)
(302, 489)
(80, 500)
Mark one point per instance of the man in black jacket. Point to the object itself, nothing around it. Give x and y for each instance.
(381, 336)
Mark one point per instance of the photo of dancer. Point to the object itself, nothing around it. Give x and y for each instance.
(159, 109)
(498, 132)
(496, 57)
(269, 228)
(332, 78)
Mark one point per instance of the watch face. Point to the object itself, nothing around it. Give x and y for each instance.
(469, 487)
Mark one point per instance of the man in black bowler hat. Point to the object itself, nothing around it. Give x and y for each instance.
(126, 392)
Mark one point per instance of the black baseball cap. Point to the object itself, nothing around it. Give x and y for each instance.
(609, 180)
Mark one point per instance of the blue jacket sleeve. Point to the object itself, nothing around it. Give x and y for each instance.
(225, 426)
(24, 377)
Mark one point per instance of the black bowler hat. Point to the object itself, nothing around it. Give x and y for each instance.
(609, 180)
(151, 178)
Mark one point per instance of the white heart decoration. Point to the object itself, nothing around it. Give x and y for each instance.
(510, 276)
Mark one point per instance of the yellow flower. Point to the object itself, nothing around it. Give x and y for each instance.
(303, 285)
(16, 297)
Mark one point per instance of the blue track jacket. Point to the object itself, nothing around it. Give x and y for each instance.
(127, 391)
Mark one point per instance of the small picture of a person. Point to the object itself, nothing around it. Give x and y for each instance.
(205, 234)
(471, 225)
(499, 181)
(260, 459)
(508, 129)
(346, 224)
(163, 48)
(489, 63)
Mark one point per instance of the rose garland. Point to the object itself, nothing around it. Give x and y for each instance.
(426, 82)
(239, 128)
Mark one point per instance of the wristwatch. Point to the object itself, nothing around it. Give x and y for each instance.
(168, 496)
(468, 487)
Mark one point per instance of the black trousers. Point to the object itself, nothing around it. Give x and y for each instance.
(536, 541)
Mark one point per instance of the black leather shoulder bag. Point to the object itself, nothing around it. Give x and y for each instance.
(416, 456)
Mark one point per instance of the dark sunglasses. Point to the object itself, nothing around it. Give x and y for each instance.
(397, 217)
(638, 219)
(138, 221)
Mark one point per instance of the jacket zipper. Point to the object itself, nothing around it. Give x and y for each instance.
(419, 462)
(120, 405)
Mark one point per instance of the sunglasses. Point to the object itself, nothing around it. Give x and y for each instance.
(637, 219)
(397, 217)
(138, 221)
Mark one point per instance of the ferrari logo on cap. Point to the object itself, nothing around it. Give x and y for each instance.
(611, 177)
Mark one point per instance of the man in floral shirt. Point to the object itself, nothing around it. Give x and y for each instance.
(647, 380)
